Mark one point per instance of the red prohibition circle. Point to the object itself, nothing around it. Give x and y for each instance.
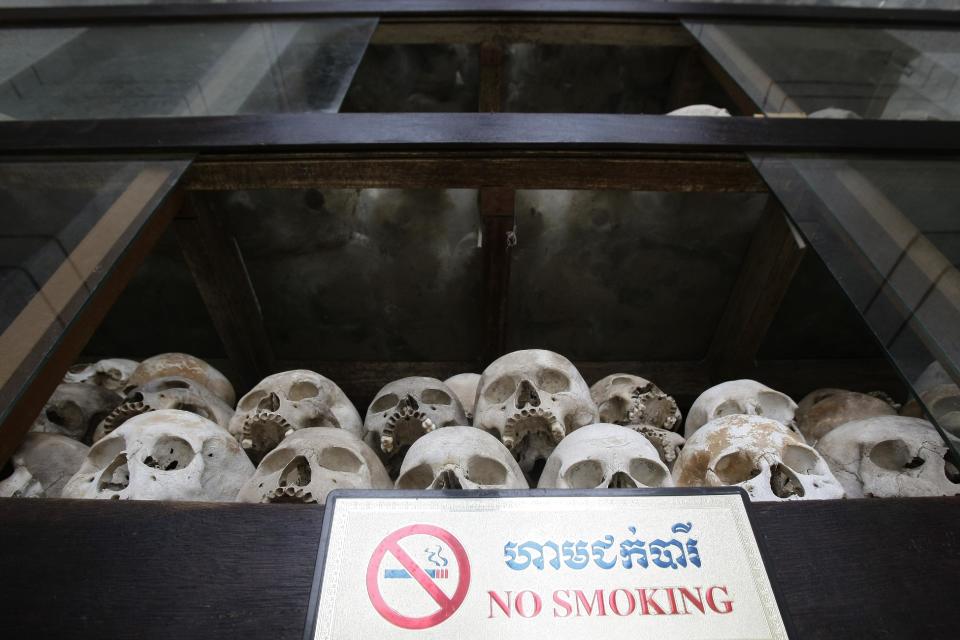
(448, 605)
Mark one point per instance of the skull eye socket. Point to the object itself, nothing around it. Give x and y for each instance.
(894, 455)
(728, 408)
(384, 403)
(169, 453)
(339, 459)
(500, 389)
(621, 380)
(801, 459)
(647, 472)
(586, 474)
(420, 477)
(303, 390)
(66, 414)
(197, 409)
(435, 396)
(104, 451)
(735, 467)
(486, 471)
(553, 381)
(250, 401)
(276, 460)
(164, 385)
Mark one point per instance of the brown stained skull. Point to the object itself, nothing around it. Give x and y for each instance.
(531, 400)
(167, 393)
(627, 399)
(286, 402)
(406, 409)
(184, 366)
(824, 410)
(75, 409)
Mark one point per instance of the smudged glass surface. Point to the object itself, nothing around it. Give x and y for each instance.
(181, 69)
(373, 274)
(840, 71)
(618, 275)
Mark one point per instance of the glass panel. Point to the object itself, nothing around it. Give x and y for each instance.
(184, 69)
(618, 276)
(888, 230)
(840, 72)
(864, 4)
(66, 225)
(362, 275)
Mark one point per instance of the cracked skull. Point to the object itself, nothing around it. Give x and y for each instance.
(163, 455)
(167, 393)
(762, 456)
(531, 400)
(601, 456)
(74, 410)
(310, 463)
(464, 385)
(405, 410)
(824, 410)
(41, 466)
(112, 373)
(745, 397)
(626, 399)
(183, 365)
(890, 457)
(288, 401)
(459, 458)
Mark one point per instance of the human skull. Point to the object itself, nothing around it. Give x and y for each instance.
(112, 373)
(826, 409)
(184, 366)
(171, 392)
(74, 410)
(701, 110)
(284, 402)
(163, 455)
(890, 456)
(459, 458)
(310, 463)
(406, 409)
(41, 466)
(759, 454)
(531, 399)
(943, 401)
(464, 386)
(746, 397)
(667, 443)
(601, 456)
(626, 399)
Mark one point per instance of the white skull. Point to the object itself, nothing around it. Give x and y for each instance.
(284, 402)
(464, 385)
(310, 463)
(459, 458)
(406, 409)
(41, 466)
(112, 373)
(746, 397)
(163, 455)
(167, 393)
(826, 409)
(601, 456)
(761, 455)
(531, 399)
(700, 110)
(626, 399)
(74, 410)
(184, 366)
(890, 456)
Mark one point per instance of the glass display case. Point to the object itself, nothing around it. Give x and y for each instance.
(694, 193)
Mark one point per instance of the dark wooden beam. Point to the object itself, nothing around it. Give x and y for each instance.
(589, 31)
(430, 170)
(499, 224)
(221, 276)
(772, 259)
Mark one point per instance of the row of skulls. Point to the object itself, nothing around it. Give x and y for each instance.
(166, 428)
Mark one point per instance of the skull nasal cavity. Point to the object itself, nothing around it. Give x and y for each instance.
(620, 480)
(527, 395)
(408, 402)
(270, 403)
(296, 473)
(115, 476)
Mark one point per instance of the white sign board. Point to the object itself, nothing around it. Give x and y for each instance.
(548, 566)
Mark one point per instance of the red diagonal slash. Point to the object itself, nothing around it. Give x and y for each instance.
(419, 575)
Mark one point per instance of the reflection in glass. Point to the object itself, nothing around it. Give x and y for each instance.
(190, 69)
(832, 71)
(888, 230)
(65, 225)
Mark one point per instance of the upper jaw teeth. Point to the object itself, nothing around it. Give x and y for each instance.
(405, 415)
(531, 421)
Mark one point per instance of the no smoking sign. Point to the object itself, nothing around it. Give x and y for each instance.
(418, 576)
